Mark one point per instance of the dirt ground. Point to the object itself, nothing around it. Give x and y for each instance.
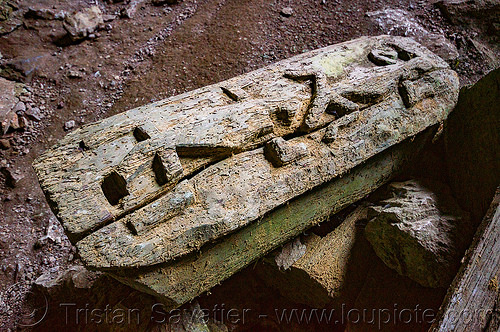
(161, 51)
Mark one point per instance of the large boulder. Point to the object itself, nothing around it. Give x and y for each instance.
(482, 18)
(421, 233)
(322, 271)
(399, 22)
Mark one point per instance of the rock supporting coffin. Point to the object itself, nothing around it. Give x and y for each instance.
(329, 271)
(419, 233)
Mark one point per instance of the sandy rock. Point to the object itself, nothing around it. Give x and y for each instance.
(8, 100)
(62, 281)
(399, 22)
(286, 11)
(12, 177)
(472, 145)
(68, 125)
(419, 232)
(39, 12)
(81, 24)
(326, 270)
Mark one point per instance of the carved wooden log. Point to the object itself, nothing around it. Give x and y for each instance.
(418, 229)
(159, 181)
(176, 283)
(473, 298)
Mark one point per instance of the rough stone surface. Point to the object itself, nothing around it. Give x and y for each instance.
(8, 101)
(81, 24)
(419, 232)
(72, 277)
(105, 176)
(401, 23)
(483, 18)
(330, 270)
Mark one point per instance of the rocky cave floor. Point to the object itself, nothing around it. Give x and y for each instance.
(135, 58)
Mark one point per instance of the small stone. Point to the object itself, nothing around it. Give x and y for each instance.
(4, 144)
(74, 73)
(41, 242)
(45, 13)
(34, 114)
(81, 24)
(14, 121)
(59, 282)
(108, 18)
(11, 178)
(162, 2)
(23, 122)
(286, 12)
(419, 232)
(69, 125)
(19, 108)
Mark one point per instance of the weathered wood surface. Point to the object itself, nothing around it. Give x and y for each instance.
(180, 281)
(132, 185)
(472, 299)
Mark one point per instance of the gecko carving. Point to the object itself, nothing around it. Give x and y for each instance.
(154, 183)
